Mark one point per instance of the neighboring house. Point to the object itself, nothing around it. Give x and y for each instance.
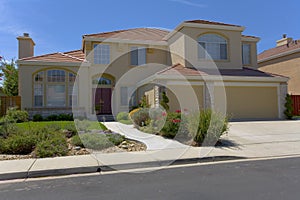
(211, 61)
(284, 59)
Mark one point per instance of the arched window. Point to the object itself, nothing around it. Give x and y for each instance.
(55, 88)
(102, 81)
(212, 46)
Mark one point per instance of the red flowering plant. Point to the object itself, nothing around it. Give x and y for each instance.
(172, 124)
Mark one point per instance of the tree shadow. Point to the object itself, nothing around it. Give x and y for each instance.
(225, 143)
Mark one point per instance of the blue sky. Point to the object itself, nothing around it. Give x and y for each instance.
(57, 25)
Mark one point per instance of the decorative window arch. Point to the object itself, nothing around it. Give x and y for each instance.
(54, 88)
(212, 46)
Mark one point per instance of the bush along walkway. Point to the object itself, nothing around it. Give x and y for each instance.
(153, 142)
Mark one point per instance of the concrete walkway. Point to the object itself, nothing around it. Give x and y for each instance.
(153, 142)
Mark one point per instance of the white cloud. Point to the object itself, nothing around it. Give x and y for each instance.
(189, 3)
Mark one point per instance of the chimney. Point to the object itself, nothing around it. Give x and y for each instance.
(284, 40)
(26, 46)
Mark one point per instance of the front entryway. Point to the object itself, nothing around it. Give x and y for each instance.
(102, 100)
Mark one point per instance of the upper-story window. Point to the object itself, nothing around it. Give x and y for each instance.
(138, 56)
(246, 52)
(101, 54)
(212, 46)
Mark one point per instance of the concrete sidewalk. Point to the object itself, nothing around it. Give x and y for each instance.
(244, 140)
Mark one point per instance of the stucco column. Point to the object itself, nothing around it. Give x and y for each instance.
(156, 96)
(282, 92)
(84, 89)
(209, 96)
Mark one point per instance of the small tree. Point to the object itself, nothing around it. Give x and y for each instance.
(164, 102)
(10, 72)
(143, 102)
(288, 107)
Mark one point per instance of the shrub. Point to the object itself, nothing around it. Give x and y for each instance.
(141, 117)
(115, 138)
(37, 118)
(17, 115)
(55, 146)
(207, 127)
(7, 126)
(76, 141)
(65, 117)
(122, 116)
(172, 124)
(143, 102)
(164, 102)
(71, 128)
(95, 141)
(288, 107)
(22, 144)
(52, 118)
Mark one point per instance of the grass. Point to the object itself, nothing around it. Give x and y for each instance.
(61, 124)
(128, 122)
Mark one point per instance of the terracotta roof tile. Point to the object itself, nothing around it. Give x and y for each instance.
(246, 72)
(152, 34)
(210, 23)
(278, 50)
(76, 56)
(250, 36)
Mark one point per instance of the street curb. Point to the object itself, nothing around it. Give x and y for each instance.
(141, 165)
(105, 168)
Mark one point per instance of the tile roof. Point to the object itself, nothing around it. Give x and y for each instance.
(210, 23)
(152, 34)
(76, 56)
(250, 36)
(246, 72)
(278, 50)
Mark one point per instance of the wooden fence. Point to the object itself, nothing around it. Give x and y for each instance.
(296, 104)
(7, 102)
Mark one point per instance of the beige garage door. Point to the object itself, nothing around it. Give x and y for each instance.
(190, 98)
(249, 102)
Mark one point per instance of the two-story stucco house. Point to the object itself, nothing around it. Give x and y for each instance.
(200, 64)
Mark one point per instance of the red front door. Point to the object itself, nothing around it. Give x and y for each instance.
(102, 100)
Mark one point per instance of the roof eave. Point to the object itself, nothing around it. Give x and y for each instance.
(279, 55)
(127, 41)
(46, 63)
(219, 78)
(204, 26)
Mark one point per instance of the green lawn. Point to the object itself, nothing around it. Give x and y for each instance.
(62, 124)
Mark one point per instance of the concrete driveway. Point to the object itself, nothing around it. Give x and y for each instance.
(263, 138)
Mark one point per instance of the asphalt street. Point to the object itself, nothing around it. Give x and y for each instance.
(268, 179)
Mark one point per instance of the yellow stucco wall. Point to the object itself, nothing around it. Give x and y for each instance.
(190, 98)
(288, 66)
(26, 74)
(244, 102)
(184, 48)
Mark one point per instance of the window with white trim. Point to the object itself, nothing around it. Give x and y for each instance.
(124, 96)
(137, 56)
(38, 88)
(212, 46)
(55, 88)
(101, 54)
(246, 52)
